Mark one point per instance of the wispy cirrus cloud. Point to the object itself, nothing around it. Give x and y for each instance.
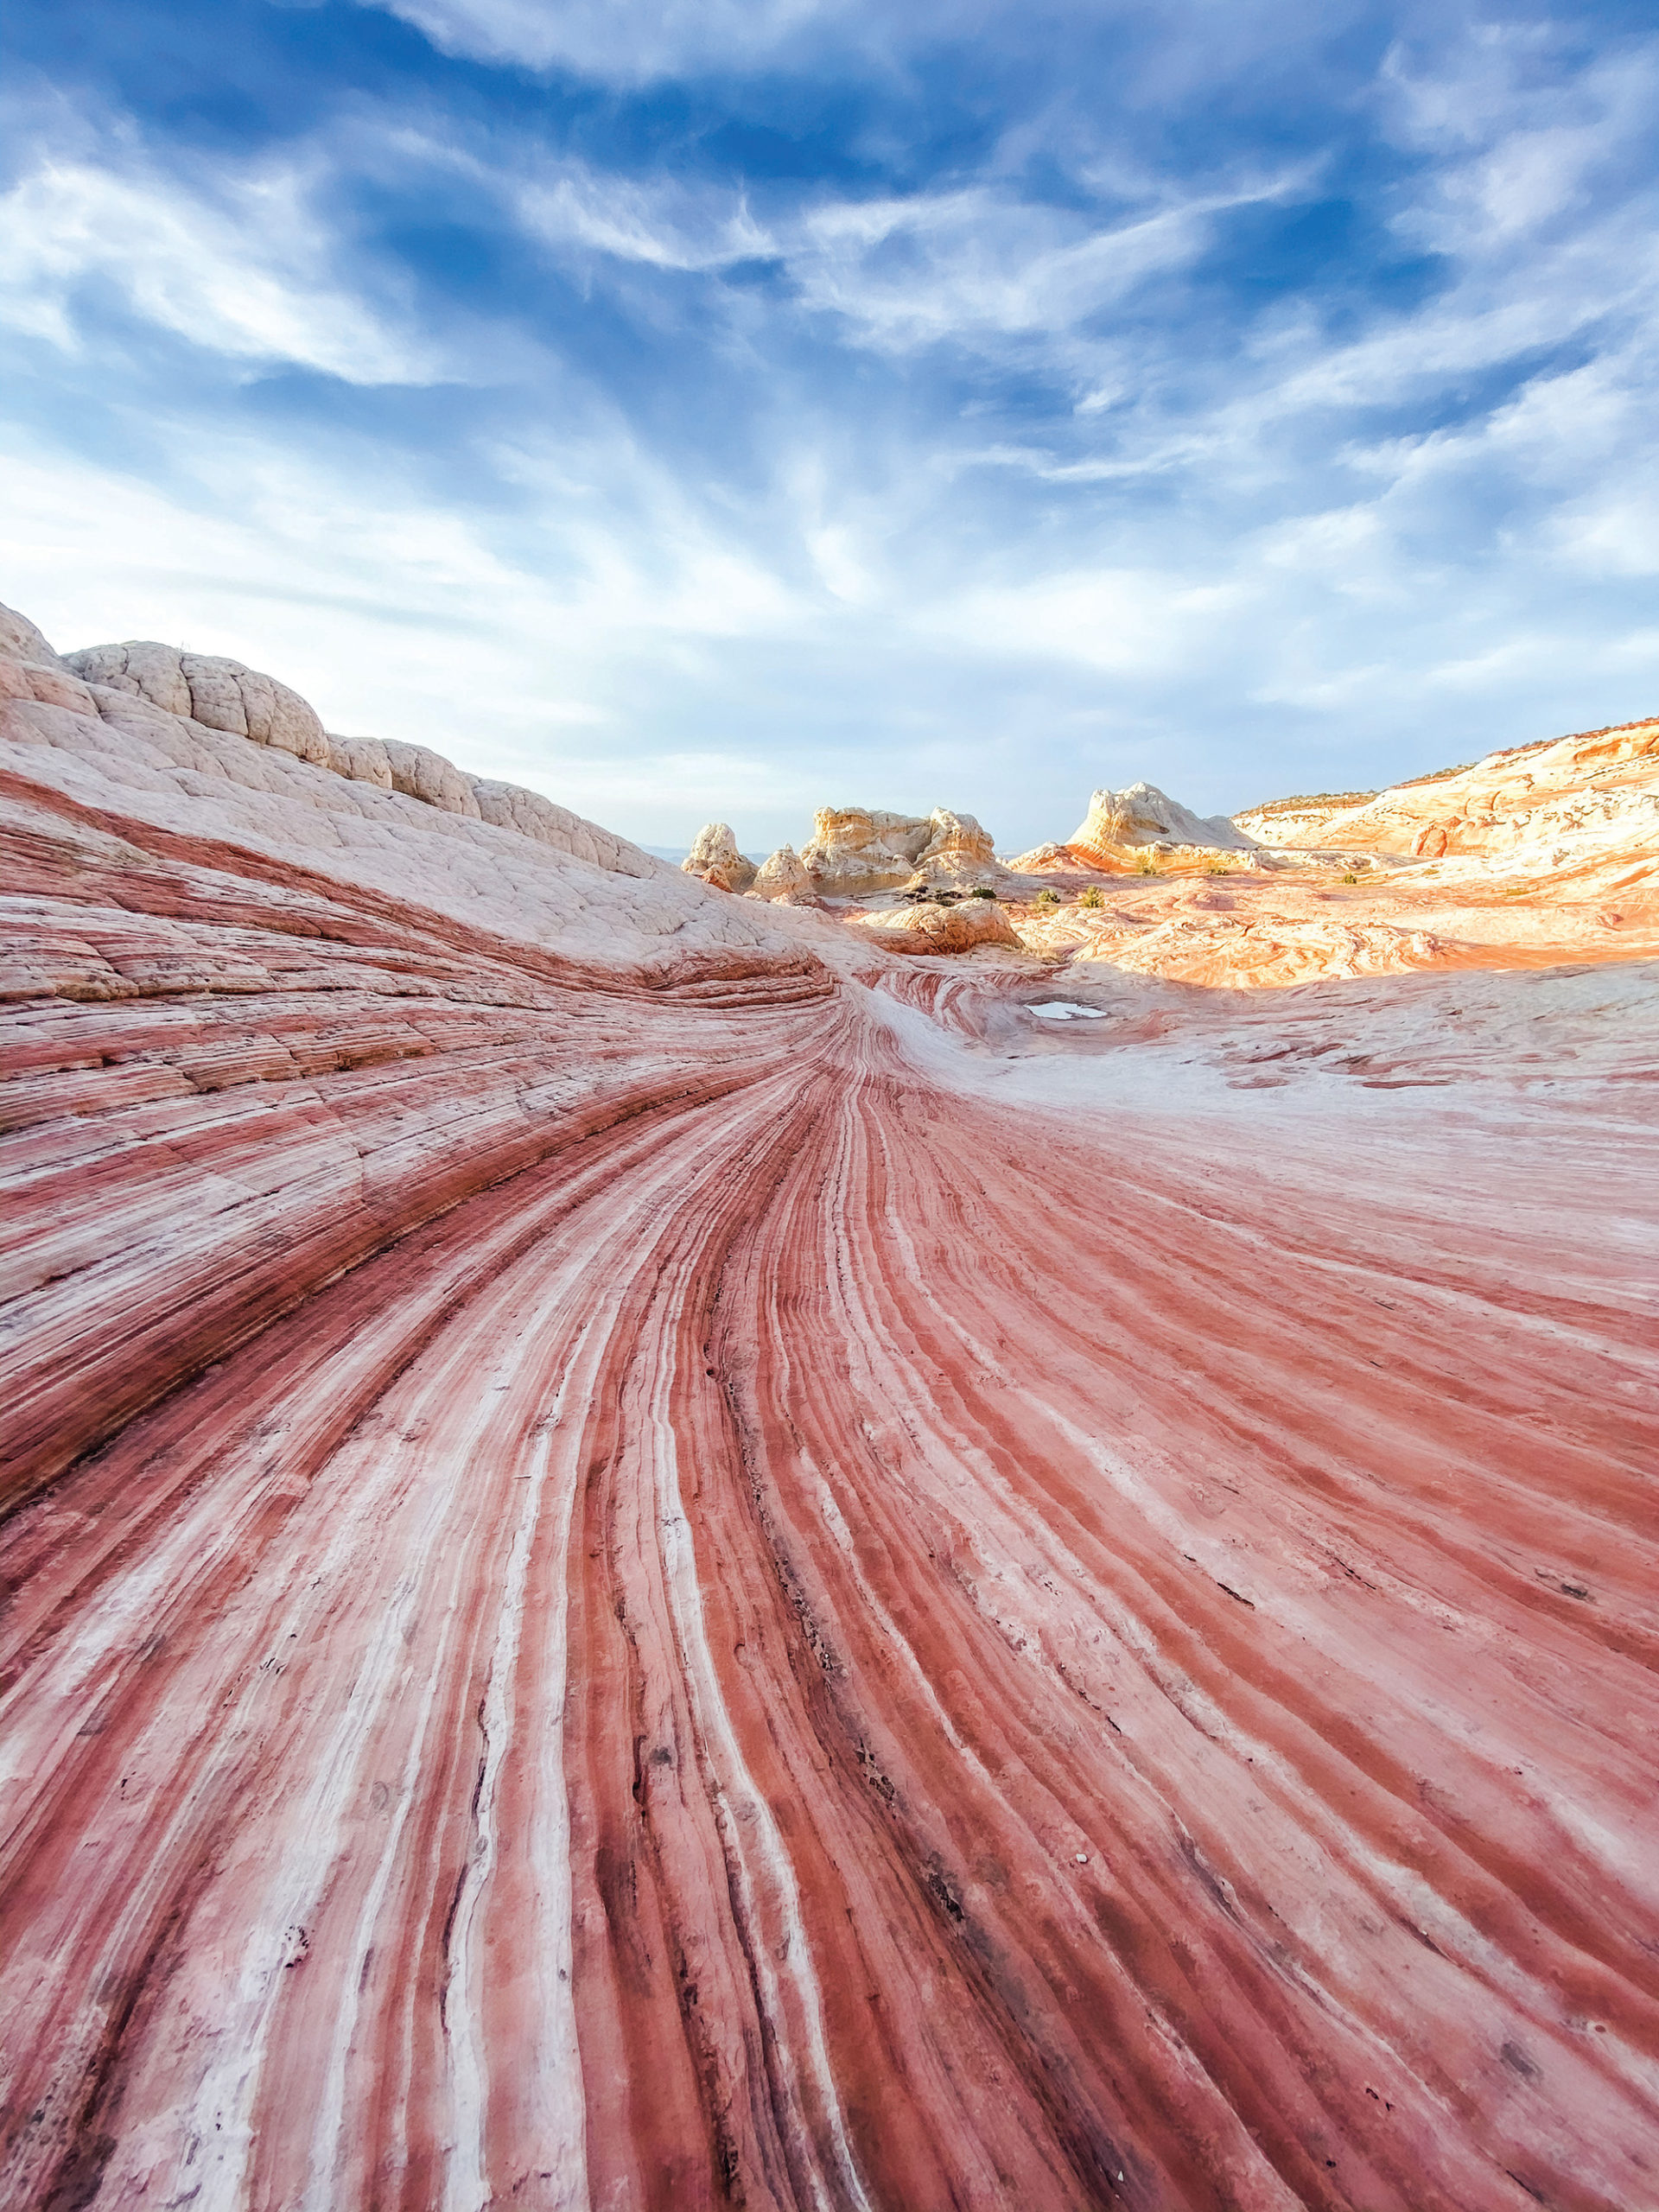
(657, 223)
(244, 268)
(630, 42)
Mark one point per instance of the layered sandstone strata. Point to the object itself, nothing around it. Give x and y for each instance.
(926, 926)
(854, 851)
(654, 1560)
(1564, 801)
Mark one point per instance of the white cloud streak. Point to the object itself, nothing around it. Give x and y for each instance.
(622, 42)
(245, 272)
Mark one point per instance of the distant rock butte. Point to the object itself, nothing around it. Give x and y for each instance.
(856, 850)
(1141, 815)
(655, 1556)
(1122, 828)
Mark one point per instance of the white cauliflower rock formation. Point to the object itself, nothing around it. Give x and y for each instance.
(1141, 815)
(715, 857)
(201, 688)
(781, 875)
(854, 850)
(158, 695)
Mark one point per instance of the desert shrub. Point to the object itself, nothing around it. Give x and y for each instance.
(1351, 877)
(1091, 897)
(982, 891)
(1148, 864)
(1048, 898)
(1217, 867)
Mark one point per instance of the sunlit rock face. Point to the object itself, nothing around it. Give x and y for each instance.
(855, 851)
(930, 928)
(1142, 815)
(1121, 828)
(1296, 822)
(655, 1559)
(1547, 852)
(715, 857)
(782, 874)
(1573, 800)
(958, 856)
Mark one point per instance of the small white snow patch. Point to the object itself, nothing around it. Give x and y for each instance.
(1064, 1010)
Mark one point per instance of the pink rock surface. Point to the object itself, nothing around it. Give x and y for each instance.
(1598, 789)
(641, 1573)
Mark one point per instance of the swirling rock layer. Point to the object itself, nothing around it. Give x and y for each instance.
(701, 1583)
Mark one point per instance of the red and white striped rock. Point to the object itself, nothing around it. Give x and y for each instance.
(639, 1574)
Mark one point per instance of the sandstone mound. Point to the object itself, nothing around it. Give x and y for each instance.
(1140, 815)
(397, 817)
(218, 693)
(1122, 828)
(929, 927)
(855, 850)
(781, 875)
(1289, 821)
(715, 857)
(510, 807)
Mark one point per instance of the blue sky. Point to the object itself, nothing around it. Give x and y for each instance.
(701, 409)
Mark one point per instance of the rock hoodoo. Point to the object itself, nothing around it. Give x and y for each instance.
(715, 857)
(782, 874)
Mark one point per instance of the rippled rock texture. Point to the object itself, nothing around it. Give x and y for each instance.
(1593, 796)
(652, 1570)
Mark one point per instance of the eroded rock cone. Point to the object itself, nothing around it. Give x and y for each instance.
(782, 875)
(713, 856)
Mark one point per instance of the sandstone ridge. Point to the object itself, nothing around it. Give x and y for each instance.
(396, 818)
(1548, 806)
(209, 693)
